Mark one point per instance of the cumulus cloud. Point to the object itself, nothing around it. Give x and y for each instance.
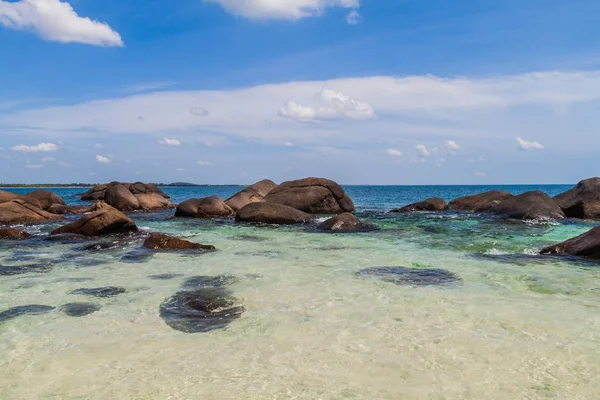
(526, 145)
(169, 142)
(281, 9)
(354, 18)
(42, 147)
(56, 20)
(204, 163)
(394, 153)
(102, 159)
(423, 150)
(452, 146)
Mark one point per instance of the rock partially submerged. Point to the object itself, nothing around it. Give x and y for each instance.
(432, 204)
(162, 242)
(585, 245)
(411, 276)
(533, 205)
(270, 213)
(14, 234)
(46, 198)
(106, 220)
(479, 202)
(346, 222)
(312, 195)
(206, 207)
(21, 212)
(252, 194)
(583, 201)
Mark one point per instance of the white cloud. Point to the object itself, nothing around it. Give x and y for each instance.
(452, 146)
(48, 159)
(169, 142)
(525, 145)
(288, 144)
(394, 153)
(56, 20)
(281, 9)
(42, 147)
(354, 18)
(204, 163)
(102, 159)
(423, 150)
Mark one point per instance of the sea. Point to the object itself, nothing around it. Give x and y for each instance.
(429, 306)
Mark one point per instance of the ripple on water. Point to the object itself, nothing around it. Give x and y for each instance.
(411, 276)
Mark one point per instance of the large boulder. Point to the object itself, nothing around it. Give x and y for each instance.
(586, 245)
(312, 195)
(20, 212)
(206, 207)
(432, 204)
(479, 202)
(46, 198)
(5, 197)
(106, 220)
(530, 205)
(162, 242)
(130, 196)
(271, 213)
(153, 201)
(146, 188)
(119, 196)
(583, 201)
(346, 222)
(96, 192)
(13, 234)
(252, 194)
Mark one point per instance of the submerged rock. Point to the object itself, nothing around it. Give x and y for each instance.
(109, 291)
(411, 276)
(583, 201)
(32, 309)
(79, 309)
(312, 195)
(8, 270)
(479, 202)
(164, 277)
(67, 238)
(585, 245)
(272, 214)
(201, 310)
(160, 241)
(137, 256)
(197, 282)
(252, 194)
(432, 204)
(530, 205)
(346, 222)
(206, 207)
(107, 220)
(14, 234)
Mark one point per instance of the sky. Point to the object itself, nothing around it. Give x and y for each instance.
(359, 91)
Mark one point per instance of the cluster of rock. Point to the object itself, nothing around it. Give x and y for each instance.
(31, 208)
(130, 196)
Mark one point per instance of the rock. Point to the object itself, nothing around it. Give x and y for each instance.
(198, 282)
(130, 196)
(312, 195)
(583, 201)
(6, 197)
(95, 193)
(146, 188)
(153, 202)
(271, 213)
(121, 198)
(160, 241)
(411, 276)
(164, 277)
(586, 245)
(137, 256)
(20, 212)
(346, 222)
(432, 204)
(201, 310)
(32, 309)
(13, 234)
(61, 209)
(479, 202)
(252, 194)
(46, 198)
(9, 270)
(109, 291)
(105, 221)
(530, 205)
(206, 207)
(79, 309)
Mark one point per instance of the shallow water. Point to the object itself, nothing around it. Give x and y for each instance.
(516, 326)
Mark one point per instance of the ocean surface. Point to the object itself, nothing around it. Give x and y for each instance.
(317, 323)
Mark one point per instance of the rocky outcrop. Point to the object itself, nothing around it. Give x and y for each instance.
(206, 207)
(13, 234)
(252, 194)
(432, 204)
(530, 205)
(583, 201)
(346, 222)
(270, 213)
(586, 245)
(312, 195)
(106, 220)
(46, 198)
(479, 202)
(162, 242)
(130, 196)
(5, 197)
(21, 212)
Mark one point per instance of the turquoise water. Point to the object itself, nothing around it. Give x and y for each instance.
(516, 326)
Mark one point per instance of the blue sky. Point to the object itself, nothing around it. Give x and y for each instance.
(363, 92)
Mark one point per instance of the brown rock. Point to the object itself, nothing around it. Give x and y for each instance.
(252, 194)
(119, 196)
(95, 193)
(433, 204)
(583, 201)
(312, 195)
(346, 222)
(107, 220)
(207, 207)
(13, 234)
(271, 213)
(60, 209)
(530, 205)
(10, 196)
(586, 245)
(145, 188)
(46, 198)
(20, 212)
(153, 201)
(479, 202)
(160, 241)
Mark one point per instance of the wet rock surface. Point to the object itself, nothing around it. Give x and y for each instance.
(162, 242)
(109, 291)
(79, 309)
(13, 234)
(31, 309)
(586, 245)
(346, 222)
(411, 276)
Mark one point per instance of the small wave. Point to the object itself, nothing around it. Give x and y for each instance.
(531, 252)
(145, 228)
(542, 221)
(321, 219)
(495, 252)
